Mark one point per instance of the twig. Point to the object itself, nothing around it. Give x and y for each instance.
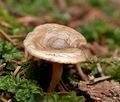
(96, 80)
(6, 37)
(16, 70)
(100, 69)
(21, 72)
(91, 78)
(116, 54)
(22, 36)
(81, 73)
(2, 66)
(3, 100)
(64, 86)
(61, 87)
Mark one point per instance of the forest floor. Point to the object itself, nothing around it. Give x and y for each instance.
(26, 79)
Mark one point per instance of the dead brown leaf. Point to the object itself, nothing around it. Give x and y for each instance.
(104, 91)
(29, 20)
(97, 49)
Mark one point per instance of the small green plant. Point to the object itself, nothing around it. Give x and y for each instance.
(22, 89)
(94, 30)
(8, 52)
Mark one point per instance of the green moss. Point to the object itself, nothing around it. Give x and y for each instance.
(102, 32)
(27, 7)
(71, 97)
(8, 52)
(104, 5)
(22, 89)
(115, 73)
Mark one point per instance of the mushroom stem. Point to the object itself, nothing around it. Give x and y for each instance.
(56, 76)
(81, 73)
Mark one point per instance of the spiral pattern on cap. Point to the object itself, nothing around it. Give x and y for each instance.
(55, 40)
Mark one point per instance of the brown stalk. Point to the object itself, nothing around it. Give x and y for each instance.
(81, 73)
(56, 76)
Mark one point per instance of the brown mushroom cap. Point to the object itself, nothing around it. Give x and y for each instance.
(56, 43)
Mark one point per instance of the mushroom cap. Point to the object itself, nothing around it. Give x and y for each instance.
(56, 43)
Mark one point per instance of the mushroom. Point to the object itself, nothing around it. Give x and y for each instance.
(57, 44)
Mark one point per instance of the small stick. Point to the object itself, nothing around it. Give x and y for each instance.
(16, 71)
(96, 80)
(22, 72)
(62, 83)
(81, 73)
(100, 69)
(91, 78)
(62, 88)
(115, 53)
(3, 100)
(6, 37)
(22, 36)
